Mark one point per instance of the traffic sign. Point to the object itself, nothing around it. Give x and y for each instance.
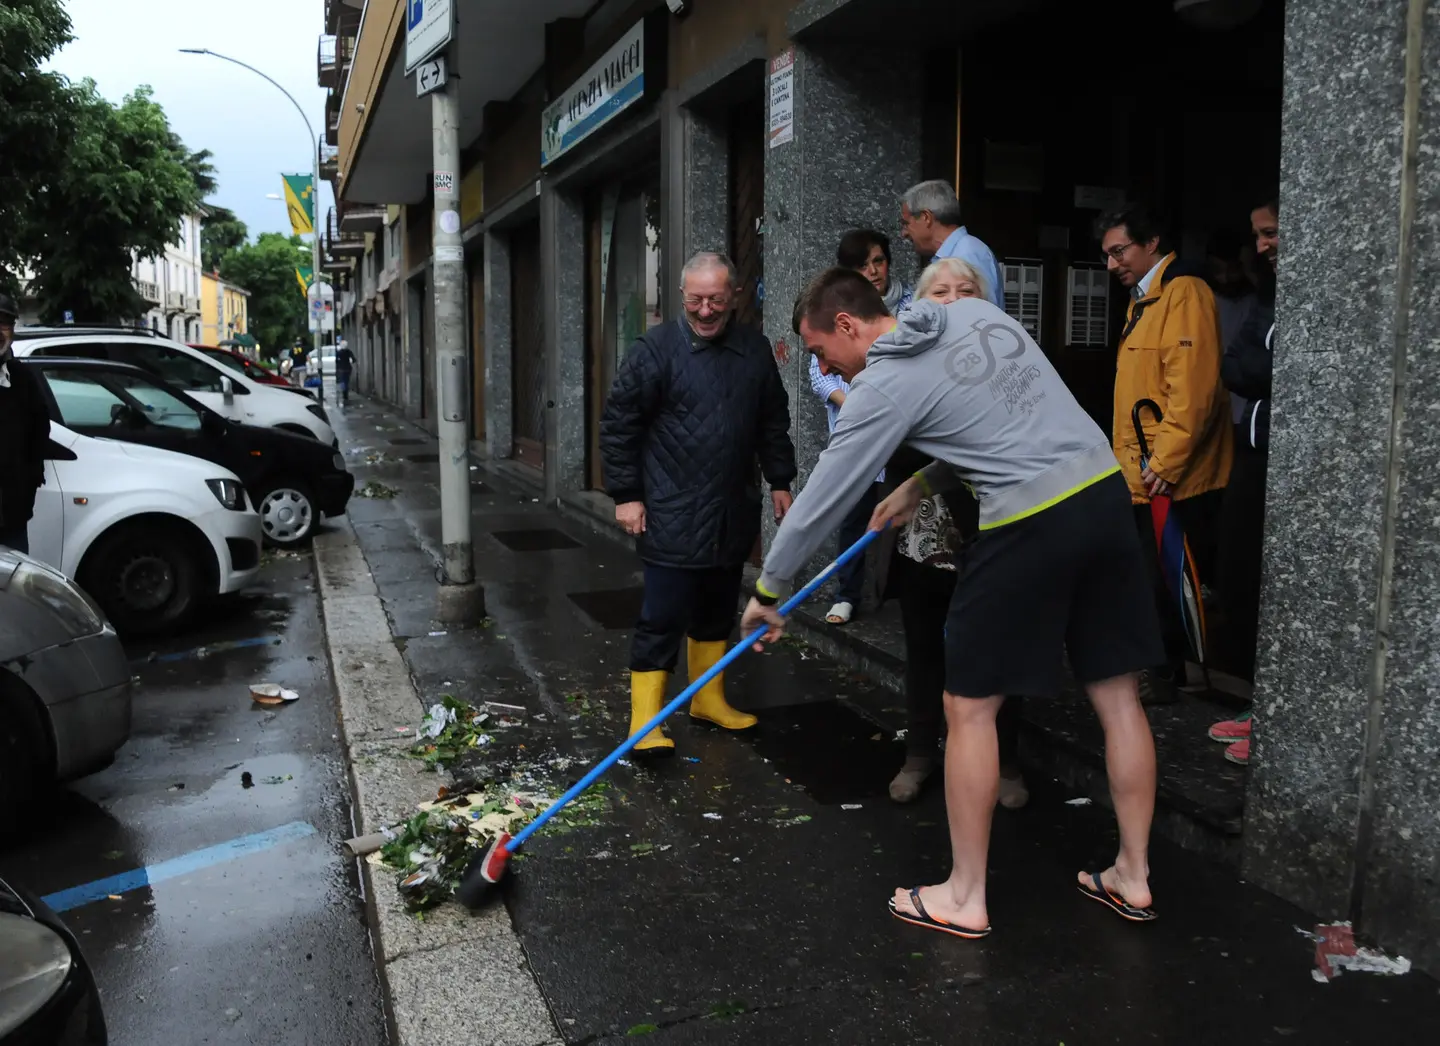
(431, 76)
(429, 28)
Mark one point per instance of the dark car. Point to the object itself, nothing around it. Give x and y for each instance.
(47, 992)
(292, 480)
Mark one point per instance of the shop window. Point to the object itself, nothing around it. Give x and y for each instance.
(1087, 318)
(1024, 292)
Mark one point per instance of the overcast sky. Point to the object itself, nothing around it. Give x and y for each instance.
(254, 132)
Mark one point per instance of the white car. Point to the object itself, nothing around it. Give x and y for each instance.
(148, 533)
(227, 392)
(327, 361)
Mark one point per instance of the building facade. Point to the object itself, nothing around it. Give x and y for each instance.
(171, 284)
(603, 143)
(224, 310)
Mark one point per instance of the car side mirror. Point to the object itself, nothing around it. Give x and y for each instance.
(228, 388)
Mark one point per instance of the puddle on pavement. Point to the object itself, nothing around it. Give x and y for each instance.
(540, 539)
(829, 750)
(613, 608)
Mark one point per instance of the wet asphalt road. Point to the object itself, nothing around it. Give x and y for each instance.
(267, 947)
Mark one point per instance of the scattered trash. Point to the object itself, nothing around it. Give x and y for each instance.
(374, 489)
(692, 758)
(712, 817)
(232, 1015)
(1084, 800)
(114, 896)
(179, 786)
(1336, 951)
(277, 780)
(797, 819)
(364, 845)
(1309, 936)
(851, 806)
(441, 633)
(246, 781)
(643, 1029)
(272, 694)
(496, 706)
(449, 728)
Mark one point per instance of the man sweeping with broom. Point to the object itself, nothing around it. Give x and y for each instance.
(1057, 567)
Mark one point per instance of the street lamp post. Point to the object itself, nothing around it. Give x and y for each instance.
(314, 184)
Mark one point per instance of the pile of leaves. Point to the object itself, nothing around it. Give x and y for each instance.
(375, 490)
(449, 730)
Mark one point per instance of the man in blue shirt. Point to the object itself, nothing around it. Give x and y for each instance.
(930, 220)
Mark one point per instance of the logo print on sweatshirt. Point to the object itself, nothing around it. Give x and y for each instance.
(972, 362)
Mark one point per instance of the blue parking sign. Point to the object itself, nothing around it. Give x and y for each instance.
(69, 316)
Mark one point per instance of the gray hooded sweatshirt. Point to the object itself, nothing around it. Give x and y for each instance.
(965, 384)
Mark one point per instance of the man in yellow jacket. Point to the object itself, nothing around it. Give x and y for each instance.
(1170, 351)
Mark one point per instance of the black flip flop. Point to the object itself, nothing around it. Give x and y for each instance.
(1116, 904)
(926, 921)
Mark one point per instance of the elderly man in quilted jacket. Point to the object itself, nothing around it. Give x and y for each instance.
(697, 402)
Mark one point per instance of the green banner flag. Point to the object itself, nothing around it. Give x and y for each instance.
(300, 201)
(306, 276)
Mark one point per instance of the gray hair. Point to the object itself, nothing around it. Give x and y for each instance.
(710, 260)
(955, 267)
(937, 197)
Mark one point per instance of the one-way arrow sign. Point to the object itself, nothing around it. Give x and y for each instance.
(430, 76)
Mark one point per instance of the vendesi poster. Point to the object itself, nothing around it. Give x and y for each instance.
(782, 97)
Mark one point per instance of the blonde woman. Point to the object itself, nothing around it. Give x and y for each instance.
(924, 573)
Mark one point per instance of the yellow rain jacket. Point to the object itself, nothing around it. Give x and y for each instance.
(1170, 352)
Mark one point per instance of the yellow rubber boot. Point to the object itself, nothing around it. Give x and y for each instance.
(647, 697)
(709, 704)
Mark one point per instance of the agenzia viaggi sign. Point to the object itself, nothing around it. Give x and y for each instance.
(614, 83)
(429, 27)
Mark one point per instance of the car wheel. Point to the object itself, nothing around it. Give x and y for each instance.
(24, 754)
(287, 513)
(145, 579)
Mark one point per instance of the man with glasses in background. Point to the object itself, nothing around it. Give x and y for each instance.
(696, 402)
(24, 432)
(1170, 353)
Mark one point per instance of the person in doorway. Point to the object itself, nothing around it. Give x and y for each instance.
(1170, 354)
(928, 553)
(24, 432)
(694, 404)
(1056, 569)
(344, 367)
(930, 220)
(1246, 369)
(867, 251)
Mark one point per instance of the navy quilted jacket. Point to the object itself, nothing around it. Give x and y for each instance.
(685, 422)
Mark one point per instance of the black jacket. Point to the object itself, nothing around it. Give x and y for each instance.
(1246, 371)
(682, 429)
(24, 433)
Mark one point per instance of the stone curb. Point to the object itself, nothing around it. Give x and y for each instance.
(454, 979)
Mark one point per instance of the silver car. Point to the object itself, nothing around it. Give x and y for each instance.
(64, 684)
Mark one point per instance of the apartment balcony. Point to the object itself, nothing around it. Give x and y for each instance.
(342, 17)
(149, 291)
(332, 117)
(174, 302)
(327, 62)
(340, 242)
(329, 163)
(361, 218)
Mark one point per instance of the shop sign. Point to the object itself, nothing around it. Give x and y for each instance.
(782, 98)
(609, 87)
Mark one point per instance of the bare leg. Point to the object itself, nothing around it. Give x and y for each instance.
(1130, 764)
(972, 779)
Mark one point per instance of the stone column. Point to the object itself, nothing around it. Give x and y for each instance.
(499, 348)
(1344, 779)
(562, 232)
(695, 158)
(856, 149)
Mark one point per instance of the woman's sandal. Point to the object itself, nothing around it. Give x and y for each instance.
(925, 920)
(1115, 902)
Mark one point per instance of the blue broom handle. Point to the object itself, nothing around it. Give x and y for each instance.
(689, 692)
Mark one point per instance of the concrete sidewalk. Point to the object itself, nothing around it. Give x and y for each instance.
(736, 893)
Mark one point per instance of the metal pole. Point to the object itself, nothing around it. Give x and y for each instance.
(448, 267)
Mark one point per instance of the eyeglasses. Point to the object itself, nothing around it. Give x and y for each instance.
(1118, 251)
(717, 302)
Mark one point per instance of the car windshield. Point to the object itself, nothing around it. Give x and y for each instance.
(225, 359)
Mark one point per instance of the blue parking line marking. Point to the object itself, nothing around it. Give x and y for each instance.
(194, 861)
(207, 650)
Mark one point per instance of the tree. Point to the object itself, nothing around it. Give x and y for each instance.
(221, 233)
(34, 116)
(198, 164)
(266, 269)
(120, 191)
